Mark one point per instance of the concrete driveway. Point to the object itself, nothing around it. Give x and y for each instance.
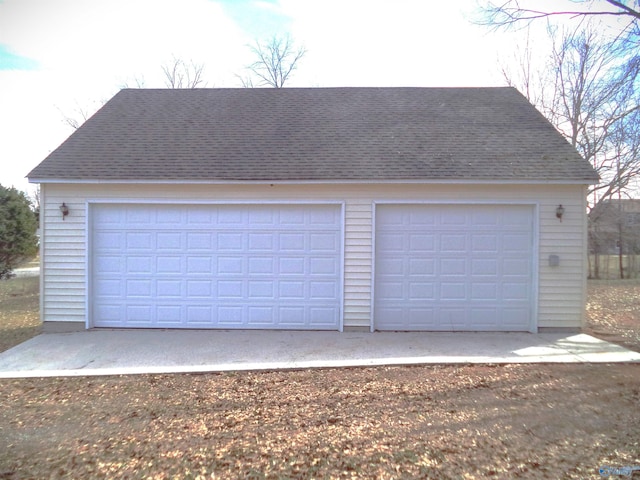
(115, 352)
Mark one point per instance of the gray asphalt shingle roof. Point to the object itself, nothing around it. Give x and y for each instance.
(316, 134)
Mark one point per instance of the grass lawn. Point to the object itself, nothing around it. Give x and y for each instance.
(469, 421)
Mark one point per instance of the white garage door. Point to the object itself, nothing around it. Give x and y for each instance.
(216, 266)
(454, 267)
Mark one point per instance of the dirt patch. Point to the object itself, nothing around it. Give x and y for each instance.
(513, 421)
(613, 311)
(20, 311)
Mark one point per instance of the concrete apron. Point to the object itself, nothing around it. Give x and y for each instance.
(117, 352)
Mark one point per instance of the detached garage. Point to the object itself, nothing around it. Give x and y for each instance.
(317, 209)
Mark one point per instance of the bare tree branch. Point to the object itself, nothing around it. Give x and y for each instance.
(510, 13)
(80, 114)
(180, 74)
(275, 62)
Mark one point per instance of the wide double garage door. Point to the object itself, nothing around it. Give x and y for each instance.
(216, 266)
(454, 267)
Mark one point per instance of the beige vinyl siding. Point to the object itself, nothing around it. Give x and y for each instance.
(563, 288)
(63, 259)
(560, 290)
(357, 264)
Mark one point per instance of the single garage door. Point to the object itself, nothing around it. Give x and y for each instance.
(454, 267)
(216, 266)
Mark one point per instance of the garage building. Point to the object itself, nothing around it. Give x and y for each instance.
(444, 209)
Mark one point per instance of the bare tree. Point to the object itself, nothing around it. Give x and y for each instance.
(246, 82)
(585, 94)
(181, 74)
(275, 61)
(134, 82)
(590, 89)
(512, 12)
(590, 93)
(80, 113)
(34, 198)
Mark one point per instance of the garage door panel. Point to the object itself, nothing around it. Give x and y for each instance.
(322, 218)
(323, 242)
(322, 290)
(200, 241)
(201, 264)
(419, 266)
(230, 289)
(391, 242)
(422, 242)
(292, 265)
(422, 290)
(515, 291)
(516, 266)
(453, 218)
(323, 266)
(453, 243)
(139, 288)
(486, 318)
(477, 276)
(291, 289)
(452, 291)
(169, 288)
(169, 264)
(261, 242)
(291, 317)
(485, 242)
(109, 241)
(230, 316)
(484, 292)
(262, 266)
(261, 289)
(485, 219)
(108, 264)
(169, 314)
(232, 266)
(111, 314)
(200, 216)
(230, 242)
(139, 265)
(109, 288)
(484, 266)
(140, 217)
(291, 243)
(139, 314)
(169, 241)
(318, 316)
(198, 289)
(453, 266)
(232, 215)
(262, 316)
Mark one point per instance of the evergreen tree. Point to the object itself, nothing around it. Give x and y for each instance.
(18, 225)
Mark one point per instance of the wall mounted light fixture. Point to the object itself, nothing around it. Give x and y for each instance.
(560, 212)
(64, 210)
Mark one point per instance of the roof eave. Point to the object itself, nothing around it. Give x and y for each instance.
(452, 181)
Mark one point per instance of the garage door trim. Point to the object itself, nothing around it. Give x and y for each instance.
(90, 203)
(534, 205)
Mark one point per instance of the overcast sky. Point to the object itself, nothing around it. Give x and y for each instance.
(58, 57)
